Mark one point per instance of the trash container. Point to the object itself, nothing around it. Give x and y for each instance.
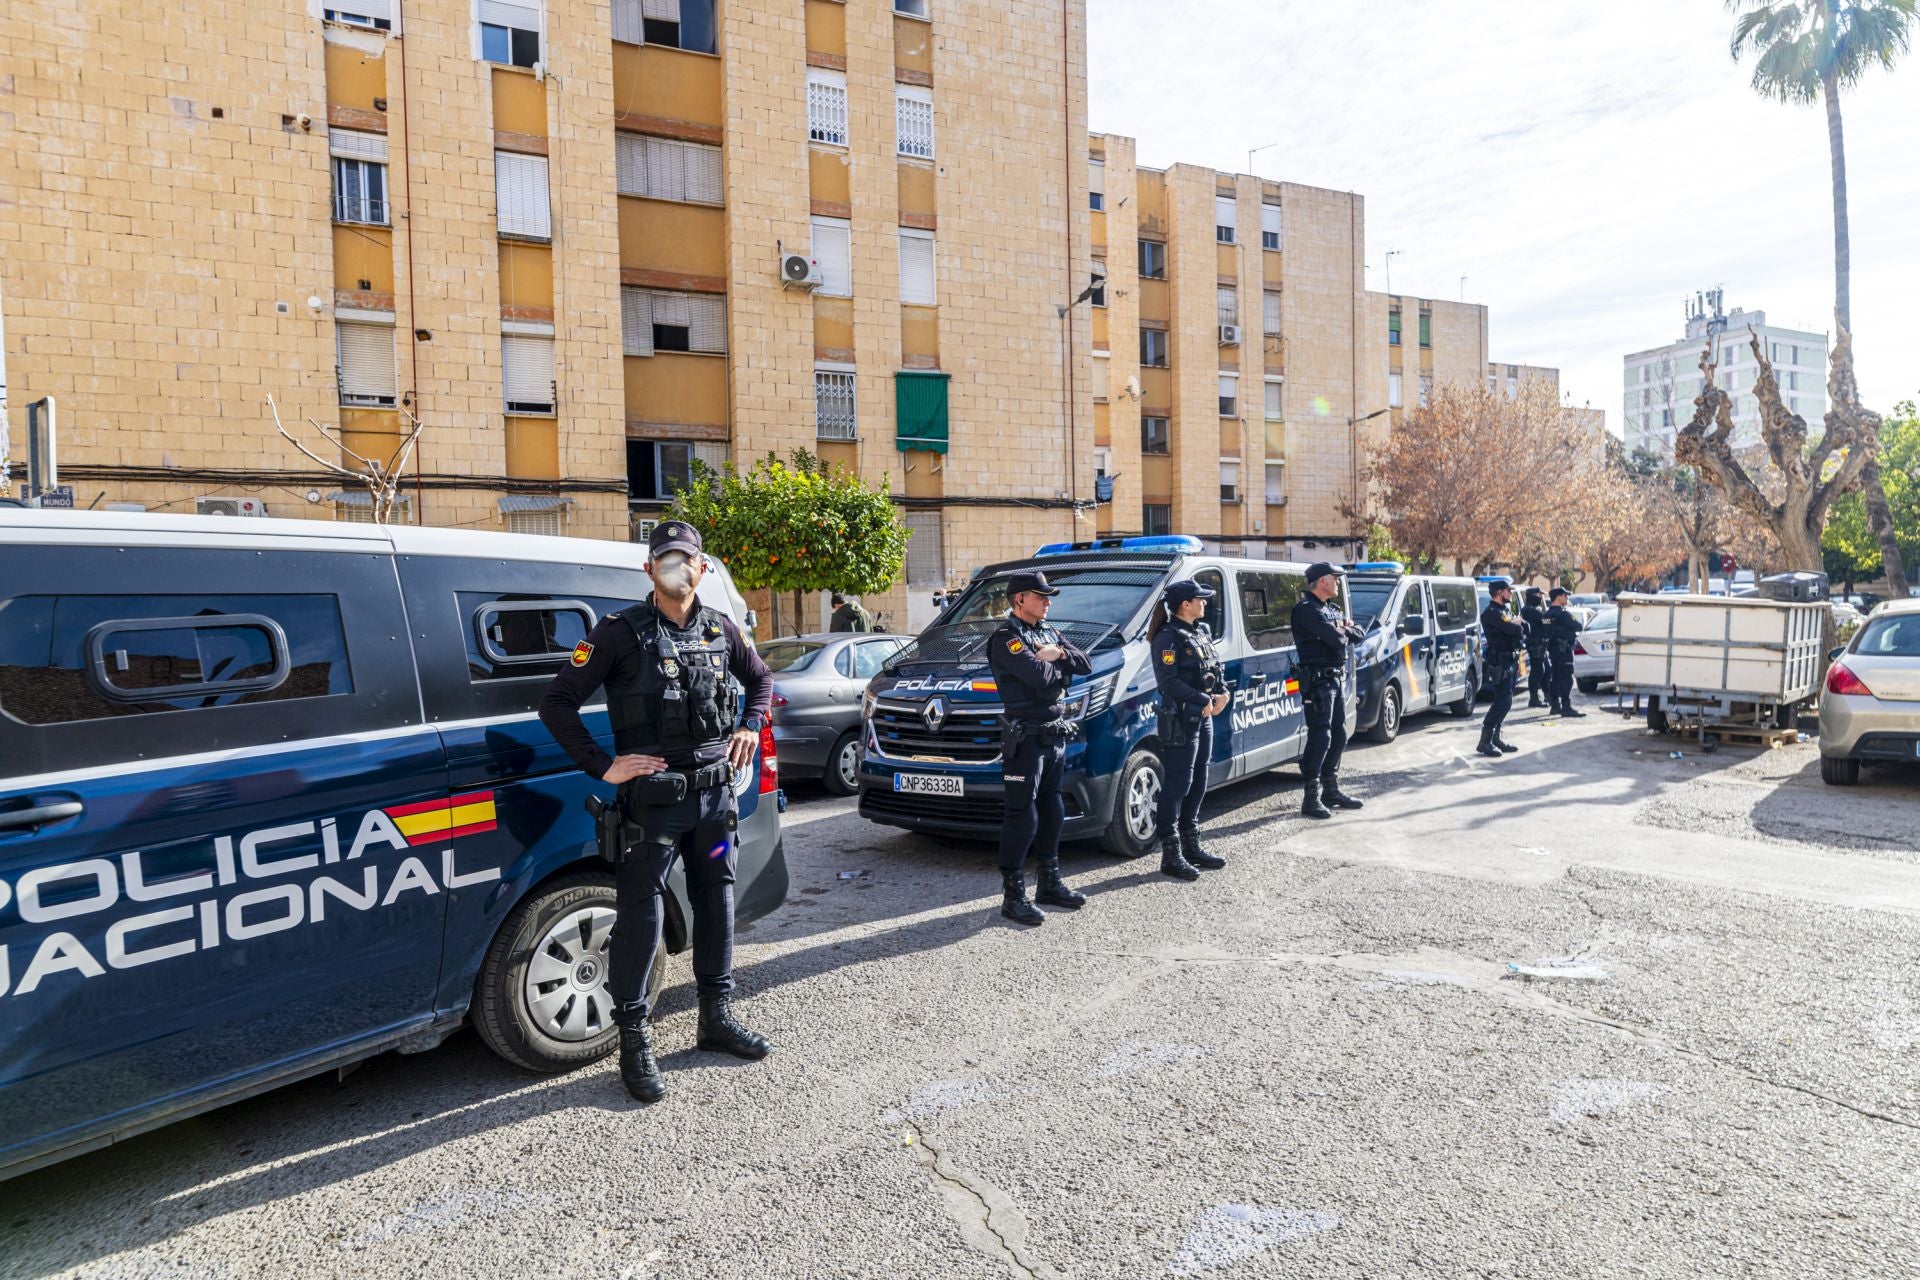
(1799, 587)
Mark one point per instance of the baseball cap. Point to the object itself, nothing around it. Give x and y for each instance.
(1320, 569)
(1558, 593)
(673, 535)
(1187, 589)
(1030, 580)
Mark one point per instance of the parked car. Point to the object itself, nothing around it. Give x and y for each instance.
(1593, 650)
(817, 683)
(1870, 708)
(1589, 599)
(1845, 615)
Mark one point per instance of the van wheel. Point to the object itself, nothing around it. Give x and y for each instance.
(1838, 772)
(1136, 807)
(1387, 727)
(541, 999)
(1589, 684)
(842, 776)
(1464, 707)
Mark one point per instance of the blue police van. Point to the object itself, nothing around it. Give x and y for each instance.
(274, 798)
(932, 715)
(1423, 646)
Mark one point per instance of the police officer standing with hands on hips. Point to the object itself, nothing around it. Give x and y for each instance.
(1193, 690)
(1500, 669)
(1033, 664)
(1534, 614)
(1563, 629)
(665, 663)
(1321, 635)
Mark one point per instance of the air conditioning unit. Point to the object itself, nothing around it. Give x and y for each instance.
(1229, 335)
(229, 507)
(798, 271)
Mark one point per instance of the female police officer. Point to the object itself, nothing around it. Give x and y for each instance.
(1192, 691)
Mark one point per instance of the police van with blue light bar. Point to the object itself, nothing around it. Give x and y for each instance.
(1422, 649)
(932, 717)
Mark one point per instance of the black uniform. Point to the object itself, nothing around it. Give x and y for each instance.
(1188, 672)
(668, 695)
(1034, 740)
(1504, 638)
(1562, 629)
(1321, 637)
(1538, 669)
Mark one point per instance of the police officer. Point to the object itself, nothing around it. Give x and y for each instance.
(1033, 664)
(1562, 630)
(1321, 634)
(1193, 690)
(1504, 637)
(665, 663)
(1534, 614)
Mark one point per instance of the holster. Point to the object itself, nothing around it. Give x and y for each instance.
(1012, 734)
(1176, 729)
(609, 829)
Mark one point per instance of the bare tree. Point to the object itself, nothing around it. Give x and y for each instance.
(381, 479)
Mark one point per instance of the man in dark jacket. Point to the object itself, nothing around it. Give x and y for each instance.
(1563, 630)
(1534, 614)
(848, 615)
(1504, 637)
(1322, 636)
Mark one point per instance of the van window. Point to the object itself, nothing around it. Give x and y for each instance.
(1453, 605)
(1266, 600)
(1415, 604)
(515, 632)
(209, 658)
(1105, 597)
(1216, 615)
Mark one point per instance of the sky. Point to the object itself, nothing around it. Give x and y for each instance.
(1587, 167)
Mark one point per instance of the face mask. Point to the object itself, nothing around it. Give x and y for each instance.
(674, 572)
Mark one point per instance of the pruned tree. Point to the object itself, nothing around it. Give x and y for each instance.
(1625, 543)
(380, 477)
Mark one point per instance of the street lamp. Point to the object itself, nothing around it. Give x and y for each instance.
(1252, 151)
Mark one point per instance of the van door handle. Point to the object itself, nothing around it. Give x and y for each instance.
(41, 815)
(1258, 677)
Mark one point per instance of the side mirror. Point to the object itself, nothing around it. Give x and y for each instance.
(1413, 626)
(1833, 654)
(752, 620)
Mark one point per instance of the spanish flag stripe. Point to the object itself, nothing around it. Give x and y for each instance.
(473, 829)
(466, 815)
(420, 824)
(399, 811)
(473, 797)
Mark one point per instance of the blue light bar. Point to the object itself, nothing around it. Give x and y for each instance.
(1377, 566)
(1494, 577)
(1168, 543)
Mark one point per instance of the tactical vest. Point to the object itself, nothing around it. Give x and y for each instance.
(684, 698)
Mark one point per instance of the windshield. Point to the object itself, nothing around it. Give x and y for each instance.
(1368, 599)
(1090, 594)
(1605, 620)
(789, 655)
(1895, 637)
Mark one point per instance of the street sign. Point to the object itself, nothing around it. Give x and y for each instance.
(60, 496)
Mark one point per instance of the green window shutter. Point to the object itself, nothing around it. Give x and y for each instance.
(1426, 329)
(920, 407)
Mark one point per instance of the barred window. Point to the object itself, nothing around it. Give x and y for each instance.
(833, 407)
(913, 121)
(1270, 312)
(827, 107)
(1227, 304)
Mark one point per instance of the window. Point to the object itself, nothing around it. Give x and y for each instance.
(510, 33)
(1453, 606)
(374, 14)
(1793, 381)
(667, 169)
(1266, 601)
(657, 469)
(359, 176)
(1274, 408)
(1153, 348)
(1153, 260)
(1426, 328)
(1229, 394)
(911, 8)
(1270, 312)
(1666, 417)
(870, 655)
(1226, 301)
(1154, 437)
(545, 523)
(834, 417)
(1513, 388)
(1426, 391)
(92, 657)
(1795, 352)
(916, 268)
(1646, 373)
(913, 121)
(926, 564)
(1100, 363)
(526, 362)
(522, 632)
(1096, 184)
(1276, 483)
(833, 250)
(1224, 209)
(661, 320)
(1102, 461)
(520, 195)
(920, 410)
(1269, 226)
(826, 107)
(675, 24)
(1733, 354)
(1393, 391)
(365, 367)
(1215, 615)
(1393, 327)
(1099, 291)
(1230, 480)
(1156, 518)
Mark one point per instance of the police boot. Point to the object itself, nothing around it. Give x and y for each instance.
(1502, 745)
(1014, 906)
(1052, 891)
(1568, 710)
(1173, 862)
(1486, 747)
(638, 1070)
(1190, 847)
(721, 1032)
(1310, 806)
(1332, 795)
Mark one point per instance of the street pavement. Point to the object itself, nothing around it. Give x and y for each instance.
(1314, 1063)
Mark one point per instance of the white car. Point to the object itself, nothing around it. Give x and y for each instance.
(1870, 708)
(1594, 650)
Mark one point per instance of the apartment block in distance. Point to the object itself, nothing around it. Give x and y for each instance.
(556, 233)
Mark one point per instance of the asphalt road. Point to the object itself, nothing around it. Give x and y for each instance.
(1314, 1063)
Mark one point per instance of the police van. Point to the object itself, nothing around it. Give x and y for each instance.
(274, 798)
(933, 714)
(1422, 649)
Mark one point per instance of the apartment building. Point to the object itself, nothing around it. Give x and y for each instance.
(558, 235)
(1507, 379)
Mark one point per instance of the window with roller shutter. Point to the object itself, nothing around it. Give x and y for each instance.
(1225, 211)
(1096, 185)
(833, 250)
(510, 33)
(520, 193)
(668, 169)
(526, 362)
(1269, 226)
(672, 24)
(366, 368)
(376, 15)
(917, 287)
(654, 320)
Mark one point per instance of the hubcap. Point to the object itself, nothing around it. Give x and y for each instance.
(566, 987)
(1391, 711)
(848, 765)
(1143, 802)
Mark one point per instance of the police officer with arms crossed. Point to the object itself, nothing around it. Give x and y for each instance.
(1193, 688)
(1504, 638)
(1562, 630)
(1321, 635)
(1534, 614)
(665, 663)
(1033, 664)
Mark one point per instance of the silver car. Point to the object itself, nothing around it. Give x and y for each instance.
(1870, 708)
(817, 683)
(1594, 653)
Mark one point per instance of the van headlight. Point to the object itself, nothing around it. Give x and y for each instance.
(1092, 698)
(867, 700)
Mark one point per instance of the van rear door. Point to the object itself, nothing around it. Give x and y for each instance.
(208, 871)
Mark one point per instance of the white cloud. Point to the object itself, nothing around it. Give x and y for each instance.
(1585, 167)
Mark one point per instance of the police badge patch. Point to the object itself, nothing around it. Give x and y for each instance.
(1014, 646)
(581, 653)
(670, 669)
(1166, 656)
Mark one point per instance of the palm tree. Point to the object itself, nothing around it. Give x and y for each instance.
(1808, 51)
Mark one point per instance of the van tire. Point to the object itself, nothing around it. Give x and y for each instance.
(500, 1012)
(1386, 727)
(1120, 838)
(1464, 707)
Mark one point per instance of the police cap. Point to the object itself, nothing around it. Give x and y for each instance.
(1321, 569)
(1533, 595)
(1030, 580)
(1187, 589)
(1558, 593)
(673, 535)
